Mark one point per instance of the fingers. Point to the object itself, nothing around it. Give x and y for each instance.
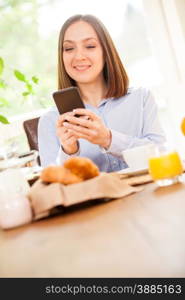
(80, 135)
(62, 118)
(88, 126)
(67, 135)
(81, 132)
(86, 112)
(82, 121)
(64, 134)
(85, 115)
(79, 129)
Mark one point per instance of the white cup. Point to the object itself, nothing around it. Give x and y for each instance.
(15, 208)
(137, 158)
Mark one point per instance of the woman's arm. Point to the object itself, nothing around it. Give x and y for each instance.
(47, 140)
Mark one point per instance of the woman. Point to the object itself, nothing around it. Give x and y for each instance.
(116, 117)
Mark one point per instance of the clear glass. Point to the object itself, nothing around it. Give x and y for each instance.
(30, 169)
(183, 126)
(165, 167)
(3, 151)
(8, 151)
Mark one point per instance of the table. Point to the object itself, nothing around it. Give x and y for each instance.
(141, 235)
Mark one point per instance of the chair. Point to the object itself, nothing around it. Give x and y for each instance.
(31, 130)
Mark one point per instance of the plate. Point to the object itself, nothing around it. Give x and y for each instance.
(14, 162)
(133, 172)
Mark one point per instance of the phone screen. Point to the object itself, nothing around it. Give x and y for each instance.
(68, 99)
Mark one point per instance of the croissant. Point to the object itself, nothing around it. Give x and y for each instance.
(59, 174)
(74, 170)
(82, 167)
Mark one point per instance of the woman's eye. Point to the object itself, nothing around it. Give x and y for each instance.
(90, 46)
(68, 49)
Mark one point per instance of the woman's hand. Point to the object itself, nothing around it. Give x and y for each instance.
(89, 127)
(68, 141)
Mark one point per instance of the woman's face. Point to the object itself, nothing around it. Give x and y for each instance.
(82, 53)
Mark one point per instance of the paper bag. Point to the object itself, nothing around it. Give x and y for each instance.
(45, 197)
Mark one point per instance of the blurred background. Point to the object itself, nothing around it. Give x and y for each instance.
(149, 36)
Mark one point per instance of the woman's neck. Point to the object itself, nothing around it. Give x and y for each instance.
(92, 93)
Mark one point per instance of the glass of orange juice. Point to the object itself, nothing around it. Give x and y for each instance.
(166, 166)
(183, 126)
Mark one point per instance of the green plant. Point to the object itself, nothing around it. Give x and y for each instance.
(27, 85)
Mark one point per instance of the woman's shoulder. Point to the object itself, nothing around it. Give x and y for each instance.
(138, 91)
(139, 95)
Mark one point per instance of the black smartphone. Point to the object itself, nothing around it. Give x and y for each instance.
(68, 99)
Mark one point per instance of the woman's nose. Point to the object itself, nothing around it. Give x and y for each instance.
(79, 54)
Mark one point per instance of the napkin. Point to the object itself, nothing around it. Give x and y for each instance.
(136, 180)
(45, 197)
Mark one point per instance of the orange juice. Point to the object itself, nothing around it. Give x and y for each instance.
(165, 166)
(183, 126)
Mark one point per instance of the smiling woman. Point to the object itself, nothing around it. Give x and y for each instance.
(88, 59)
(83, 58)
(89, 42)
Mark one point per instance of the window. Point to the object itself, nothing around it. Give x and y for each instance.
(149, 36)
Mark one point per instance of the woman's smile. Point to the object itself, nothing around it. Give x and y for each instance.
(81, 68)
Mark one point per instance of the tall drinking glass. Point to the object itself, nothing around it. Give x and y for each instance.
(166, 166)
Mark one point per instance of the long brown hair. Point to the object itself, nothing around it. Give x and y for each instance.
(114, 72)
